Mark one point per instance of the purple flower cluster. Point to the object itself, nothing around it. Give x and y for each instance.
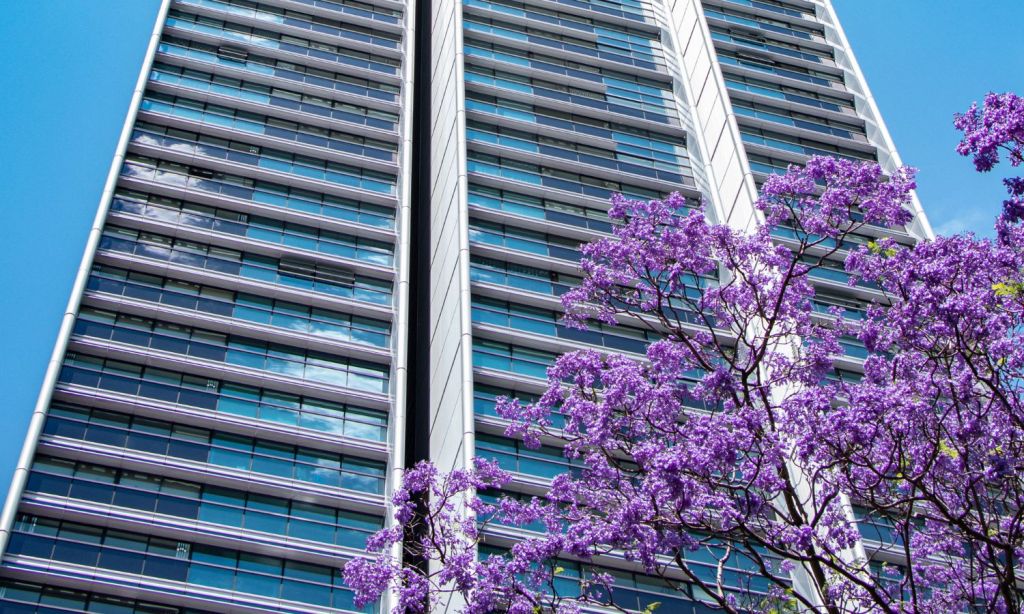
(732, 459)
(997, 126)
(435, 522)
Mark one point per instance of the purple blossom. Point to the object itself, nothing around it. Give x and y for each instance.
(998, 126)
(731, 444)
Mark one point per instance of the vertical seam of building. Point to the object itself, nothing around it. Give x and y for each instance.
(402, 400)
(418, 333)
(468, 438)
(53, 368)
(748, 184)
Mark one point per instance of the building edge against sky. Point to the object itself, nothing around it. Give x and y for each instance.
(249, 237)
(263, 246)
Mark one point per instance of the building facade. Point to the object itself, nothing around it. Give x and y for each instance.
(336, 230)
(218, 427)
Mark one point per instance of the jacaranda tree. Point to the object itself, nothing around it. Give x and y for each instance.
(735, 461)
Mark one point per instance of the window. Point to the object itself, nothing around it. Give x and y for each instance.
(222, 449)
(230, 349)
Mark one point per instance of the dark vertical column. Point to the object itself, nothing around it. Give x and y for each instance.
(417, 411)
(418, 399)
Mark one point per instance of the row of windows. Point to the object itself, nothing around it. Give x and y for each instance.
(515, 359)
(185, 141)
(638, 592)
(586, 185)
(853, 348)
(250, 91)
(608, 34)
(550, 282)
(767, 165)
(513, 455)
(799, 145)
(199, 445)
(355, 7)
(613, 160)
(521, 277)
(790, 71)
(739, 573)
(557, 17)
(522, 240)
(787, 93)
(271, 67)
(647, 56)
(303, 364)
(553, 210)
(29, 598)
(774, 6)
(168, 560)
(546, 282)
(842, 375)
(765, 23)
(255, 123)
(628, 139)
(485, 398)
(566, 67)
(774, 46)
(146, 382)
(546, 322)
(538, 208)
(876, 527)
(303, 21)
(799, 120)
(850, 308)
(492, 497)
(148, 493)
(637, 10)
(530, 362)
(831, 270)
(304, 275)
(290, 234)
(261, 37)
(612, 100)
(243, 306)
(852, 241)
(194, 178)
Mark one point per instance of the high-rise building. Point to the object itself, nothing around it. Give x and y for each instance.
(335, 231)
(216, 430)
(559, 105)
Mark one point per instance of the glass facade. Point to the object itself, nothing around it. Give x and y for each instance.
(218, 436)
(612, 108)
(221, 428)
(553, 127)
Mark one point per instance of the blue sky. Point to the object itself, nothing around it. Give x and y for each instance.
(925, 60)
(69, 67)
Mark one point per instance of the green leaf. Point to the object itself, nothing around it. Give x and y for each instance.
(948, 450)
(1011, 289)
(875, 248)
